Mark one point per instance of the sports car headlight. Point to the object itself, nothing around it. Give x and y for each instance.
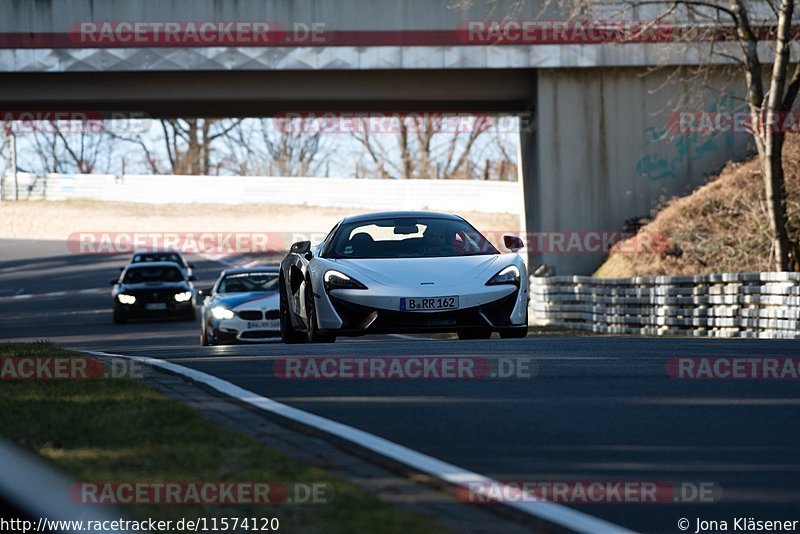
(184, 296)
(220, 312)
(337, 280)
(509, 275)
(126, 299)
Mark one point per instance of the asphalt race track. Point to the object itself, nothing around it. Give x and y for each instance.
(596, 408)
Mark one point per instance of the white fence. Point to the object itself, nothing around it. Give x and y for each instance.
(763, 305)
(446, 195)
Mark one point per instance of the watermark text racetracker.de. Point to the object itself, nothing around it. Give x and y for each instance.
(404, 368)
(31, 122)
(201, 493)
(222, 242)
(168, 33)
(589, 491)
(394, 122)
(734, 368)
(512, 31)
(587, 242)
(208, 242)
(737, 121)
(41, 368)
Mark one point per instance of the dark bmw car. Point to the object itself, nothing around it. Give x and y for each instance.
(153, 290)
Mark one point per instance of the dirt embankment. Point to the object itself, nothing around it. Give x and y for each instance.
(721, 227)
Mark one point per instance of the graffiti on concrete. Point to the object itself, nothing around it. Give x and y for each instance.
(659, 163)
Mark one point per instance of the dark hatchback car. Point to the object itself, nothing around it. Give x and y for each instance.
(153, 290)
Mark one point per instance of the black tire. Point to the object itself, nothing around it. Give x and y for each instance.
(288, 334)
(314, 335)
(204, 337)
(516, 333)
(119, 317)
(475, 333)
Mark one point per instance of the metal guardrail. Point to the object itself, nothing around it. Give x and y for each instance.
(31, 489)
(752, 305)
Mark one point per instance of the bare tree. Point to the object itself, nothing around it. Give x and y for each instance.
(71, 147)
(276, 147)
(432, 146)
(190, 144)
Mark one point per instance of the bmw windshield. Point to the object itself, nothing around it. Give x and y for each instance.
(249, 282)
(142, 275)
(409, 237)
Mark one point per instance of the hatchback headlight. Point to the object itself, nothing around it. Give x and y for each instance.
(126, 299)
(220, 312)
(184, 296)
(509, 275)
(336, 280)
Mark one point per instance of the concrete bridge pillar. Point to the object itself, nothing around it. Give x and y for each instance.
(602, 152)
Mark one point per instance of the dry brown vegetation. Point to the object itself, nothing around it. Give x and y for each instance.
(721, 227)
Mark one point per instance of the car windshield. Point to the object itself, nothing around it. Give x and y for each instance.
(247, 282)
(409, 237)
(157, 256)
(141, 275)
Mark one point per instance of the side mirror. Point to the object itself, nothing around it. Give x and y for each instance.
(191, 265)
(301, 248)
(204, 292)
(513, 243)
(114, 281)
(192, 278)
(121, 269)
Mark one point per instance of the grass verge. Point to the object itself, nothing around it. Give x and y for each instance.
(121, 430)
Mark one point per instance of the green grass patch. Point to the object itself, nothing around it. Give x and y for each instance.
(125, 431)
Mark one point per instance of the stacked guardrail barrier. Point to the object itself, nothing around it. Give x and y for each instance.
(762, 305)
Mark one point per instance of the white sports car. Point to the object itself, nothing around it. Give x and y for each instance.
(403, 272)
(243, 306)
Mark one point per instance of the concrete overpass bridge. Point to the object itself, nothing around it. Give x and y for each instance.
(595, 158)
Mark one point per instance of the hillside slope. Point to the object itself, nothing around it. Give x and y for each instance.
(721, 227)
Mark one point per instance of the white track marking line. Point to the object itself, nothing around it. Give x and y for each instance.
(92, 291)
(415, 338)
(551, 512)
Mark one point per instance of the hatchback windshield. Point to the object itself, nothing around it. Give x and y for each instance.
(408, 237)
(141, 275)
(247, 282)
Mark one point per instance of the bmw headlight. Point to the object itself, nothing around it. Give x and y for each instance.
(126, 299)
(336, 280)
(184, 296)
(509, 275)
(220, 312)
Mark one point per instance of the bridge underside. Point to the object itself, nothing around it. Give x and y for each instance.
(259, 93)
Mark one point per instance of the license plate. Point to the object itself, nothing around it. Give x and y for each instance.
(429, 303)
(266, 325)
(156, 306)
